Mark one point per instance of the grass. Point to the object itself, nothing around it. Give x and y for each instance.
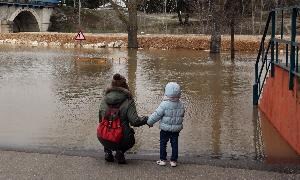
(65, 19)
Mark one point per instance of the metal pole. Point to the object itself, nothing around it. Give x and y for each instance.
(272, 43)
(255, 94)
(297, 59)
(255, 86)
(281, 30)
(292, 53)
(277, 52)
(79, 8)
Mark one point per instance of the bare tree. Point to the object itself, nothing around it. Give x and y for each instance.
(261, 15)
(183, 8)
(165, 6)
(130, 21)
(234, 10)
(253, 9)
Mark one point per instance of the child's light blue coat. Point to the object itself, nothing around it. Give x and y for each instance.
(170, 111)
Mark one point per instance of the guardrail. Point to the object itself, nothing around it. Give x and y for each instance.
(51, 3)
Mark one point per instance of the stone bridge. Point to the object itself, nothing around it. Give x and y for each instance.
(24, 18)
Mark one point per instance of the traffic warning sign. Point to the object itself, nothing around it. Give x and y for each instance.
(80, 36)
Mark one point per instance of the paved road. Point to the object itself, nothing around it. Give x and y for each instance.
(22, 165)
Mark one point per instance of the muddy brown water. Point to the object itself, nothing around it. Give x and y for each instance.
(50, 98)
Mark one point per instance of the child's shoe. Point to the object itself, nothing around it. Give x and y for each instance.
(161, 162)
(173, 163)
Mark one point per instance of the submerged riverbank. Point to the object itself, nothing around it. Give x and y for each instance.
(156, 41)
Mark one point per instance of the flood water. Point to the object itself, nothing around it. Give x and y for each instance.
(49, 98)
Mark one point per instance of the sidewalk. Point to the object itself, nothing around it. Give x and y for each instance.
(21, 165)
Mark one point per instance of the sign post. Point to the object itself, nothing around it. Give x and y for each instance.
(79, 37)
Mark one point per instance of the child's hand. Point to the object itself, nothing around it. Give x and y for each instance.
(149, 125)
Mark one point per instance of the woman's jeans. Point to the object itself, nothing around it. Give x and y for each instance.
(164, 138)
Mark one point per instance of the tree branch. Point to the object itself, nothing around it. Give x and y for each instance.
(138, 2)
(120, 14)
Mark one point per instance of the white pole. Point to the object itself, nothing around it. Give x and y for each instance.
(79, 7)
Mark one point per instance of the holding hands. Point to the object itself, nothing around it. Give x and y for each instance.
(150, 125)
(145, 119)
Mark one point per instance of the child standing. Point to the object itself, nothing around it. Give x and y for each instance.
(170, 113)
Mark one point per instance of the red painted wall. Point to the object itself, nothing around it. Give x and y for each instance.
(282, 106)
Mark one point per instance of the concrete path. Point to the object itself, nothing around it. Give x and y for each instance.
(22, 165)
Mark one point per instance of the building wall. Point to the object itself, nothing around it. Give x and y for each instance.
(282, 106)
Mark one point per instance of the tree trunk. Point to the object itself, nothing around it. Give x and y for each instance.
(243, 9)
(253, 22)
(215, 42)
(261, 14)
(232, 24)
(132, 68)
(132, 25)
(130, 21)
(179, 10)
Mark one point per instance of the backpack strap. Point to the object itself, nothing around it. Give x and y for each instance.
(113, 111)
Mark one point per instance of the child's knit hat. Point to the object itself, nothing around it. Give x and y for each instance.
(172, 90)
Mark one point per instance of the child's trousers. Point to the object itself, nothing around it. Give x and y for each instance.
(164, 138)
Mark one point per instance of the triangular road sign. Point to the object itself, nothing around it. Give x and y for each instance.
(80, 36)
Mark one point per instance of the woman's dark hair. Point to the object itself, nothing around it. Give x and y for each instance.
(119, 81)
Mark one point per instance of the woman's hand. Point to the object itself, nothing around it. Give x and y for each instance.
(144, 119)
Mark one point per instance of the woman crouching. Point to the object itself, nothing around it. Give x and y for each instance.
(117, 112)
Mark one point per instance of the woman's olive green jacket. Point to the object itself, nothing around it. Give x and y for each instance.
(122, 98)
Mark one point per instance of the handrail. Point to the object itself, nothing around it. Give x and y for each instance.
(257, 87)
(291, 55)
(263, 39)
(32, 2)
(267, 69)
(296, 44)
(264, 60)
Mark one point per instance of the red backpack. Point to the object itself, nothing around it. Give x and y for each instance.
(111, 128)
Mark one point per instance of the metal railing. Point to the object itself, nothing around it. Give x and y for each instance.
(268, 61)
(31, 2)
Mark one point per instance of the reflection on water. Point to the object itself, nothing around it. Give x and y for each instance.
(276, 148)
(257, 138)
(50, 99)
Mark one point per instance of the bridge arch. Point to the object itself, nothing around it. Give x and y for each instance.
(25, 20)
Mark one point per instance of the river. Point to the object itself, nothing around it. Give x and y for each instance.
(50, 98)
